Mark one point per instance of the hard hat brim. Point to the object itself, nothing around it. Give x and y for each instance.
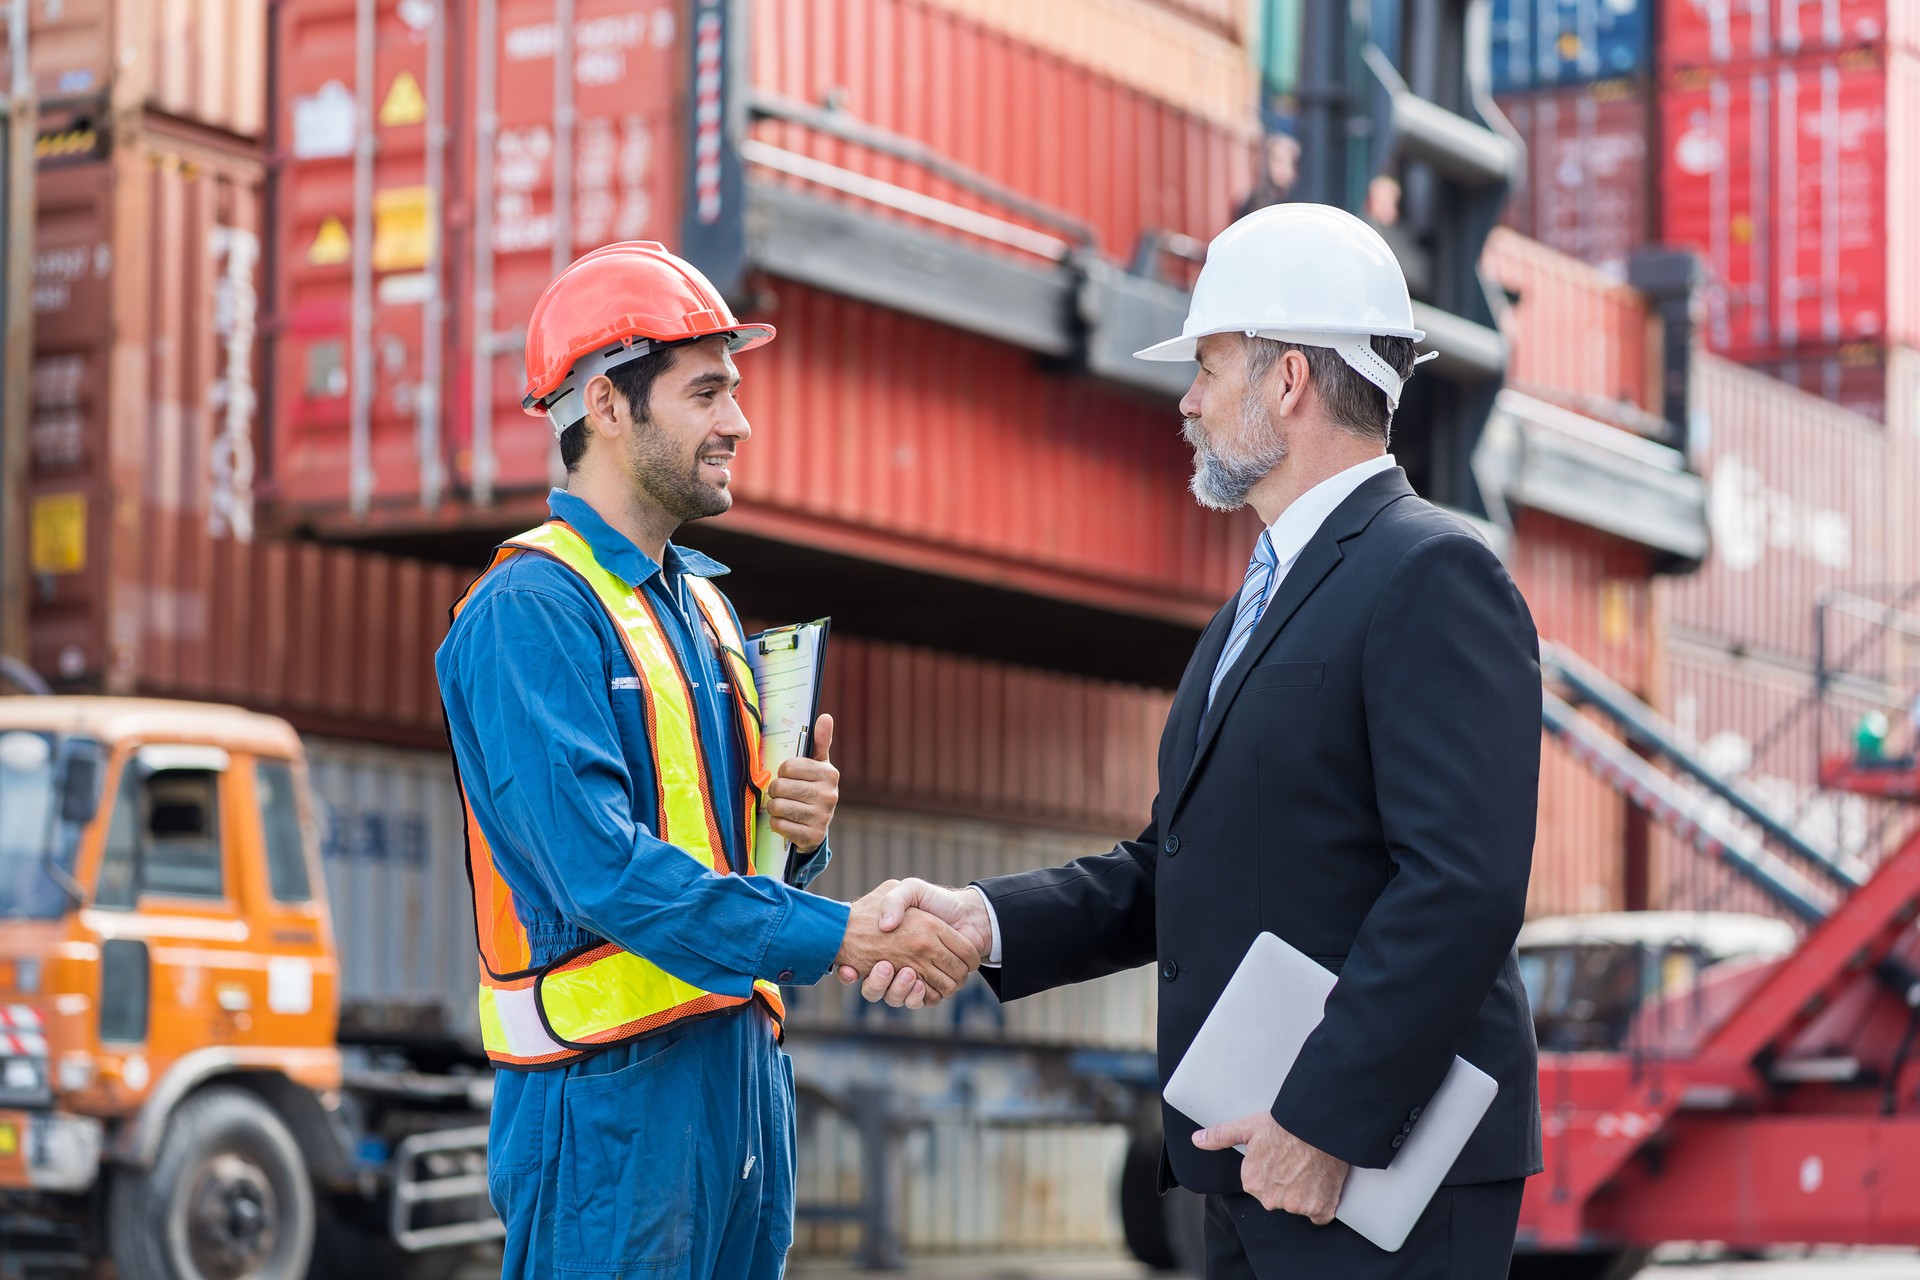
(1186, 346)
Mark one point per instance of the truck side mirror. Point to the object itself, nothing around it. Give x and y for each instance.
(80, 783)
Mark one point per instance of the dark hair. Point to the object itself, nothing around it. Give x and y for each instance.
(634, 380)
(1352, 402)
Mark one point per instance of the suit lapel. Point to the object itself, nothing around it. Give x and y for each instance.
(1317, 560)
(1190, 700)
(1308, 572)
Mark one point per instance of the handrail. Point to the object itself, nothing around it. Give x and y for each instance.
(837, 123)
(1646, 727)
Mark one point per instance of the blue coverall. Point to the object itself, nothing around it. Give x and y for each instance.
(669, 1156)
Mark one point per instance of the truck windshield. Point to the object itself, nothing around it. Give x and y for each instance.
(31, 827)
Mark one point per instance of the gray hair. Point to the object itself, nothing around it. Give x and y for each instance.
(1352, 403)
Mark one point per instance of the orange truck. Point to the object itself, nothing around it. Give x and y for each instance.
(175, 1091)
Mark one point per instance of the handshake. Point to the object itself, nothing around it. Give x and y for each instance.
(912, 944)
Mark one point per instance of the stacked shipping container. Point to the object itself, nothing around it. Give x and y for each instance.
(445, 269)
(1786, 161)
(1573, 77)
(1805, 498)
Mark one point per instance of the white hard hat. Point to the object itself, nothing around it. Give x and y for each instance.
(1309, 274)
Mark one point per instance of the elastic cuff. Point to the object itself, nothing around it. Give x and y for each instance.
(806, 941)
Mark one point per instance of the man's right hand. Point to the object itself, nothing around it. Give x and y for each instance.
(885, 933)
(964, 909)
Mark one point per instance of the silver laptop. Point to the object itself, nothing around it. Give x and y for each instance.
(1237, 1063)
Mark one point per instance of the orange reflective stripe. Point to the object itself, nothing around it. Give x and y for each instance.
(504, 948)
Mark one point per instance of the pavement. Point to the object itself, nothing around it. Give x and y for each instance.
(1679, 1264)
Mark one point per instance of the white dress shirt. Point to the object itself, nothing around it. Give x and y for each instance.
(1290, 533)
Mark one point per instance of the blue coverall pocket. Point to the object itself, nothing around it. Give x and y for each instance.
(780, 1192)
(625, 1186)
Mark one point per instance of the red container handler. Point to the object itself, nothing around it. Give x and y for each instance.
(1589, 151)
(1777, 174)
(1758, 722)
(1730, 33)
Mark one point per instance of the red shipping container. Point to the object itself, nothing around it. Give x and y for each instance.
(1803, 497)
(199, 60)
(1721, 33)
(1587, 175)
(1591, 593)
(1854, 377)
(1903, 198)
(1578, 338)
(1778, 176)
(462, 237)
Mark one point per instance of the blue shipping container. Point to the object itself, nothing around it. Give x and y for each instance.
(1547, 44)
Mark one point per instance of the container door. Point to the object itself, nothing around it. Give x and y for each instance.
(359, 289)
(561, 164)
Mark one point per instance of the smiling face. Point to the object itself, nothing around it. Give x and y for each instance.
(680, 453)
(1227, 421)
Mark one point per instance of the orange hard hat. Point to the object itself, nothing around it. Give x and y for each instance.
(615, 305)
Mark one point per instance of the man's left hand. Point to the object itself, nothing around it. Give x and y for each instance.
(802, 798)
(1279, 1170)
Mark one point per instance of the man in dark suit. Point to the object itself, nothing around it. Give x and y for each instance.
(1351, 763)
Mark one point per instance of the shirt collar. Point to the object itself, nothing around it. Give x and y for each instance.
(1296, 526)
(616, 552)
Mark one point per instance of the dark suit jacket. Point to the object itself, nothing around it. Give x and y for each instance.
(1365, 788)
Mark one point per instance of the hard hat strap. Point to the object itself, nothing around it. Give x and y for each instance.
(1354, 348)
(568, 405)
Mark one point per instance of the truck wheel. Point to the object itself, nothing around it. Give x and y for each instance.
(227, 1199)
(1165, 1232)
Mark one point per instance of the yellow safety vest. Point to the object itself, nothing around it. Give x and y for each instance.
(601, 994)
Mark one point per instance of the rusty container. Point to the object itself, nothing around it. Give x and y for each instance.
(198, 61)
(1588, 182)
(1803, 497)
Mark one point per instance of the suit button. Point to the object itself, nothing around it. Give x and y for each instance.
(1413, 1115)
(1169, 970)
(786, 975)
(1398, 1139)
(1172, 846)
(1407, 1127)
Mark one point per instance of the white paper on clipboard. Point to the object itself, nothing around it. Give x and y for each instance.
(787, 663)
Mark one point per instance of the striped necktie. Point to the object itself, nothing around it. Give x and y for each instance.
(1253, 600)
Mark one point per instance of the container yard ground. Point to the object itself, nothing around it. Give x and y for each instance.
(1678, 1263)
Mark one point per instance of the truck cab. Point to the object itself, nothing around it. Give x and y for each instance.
(171, 1086)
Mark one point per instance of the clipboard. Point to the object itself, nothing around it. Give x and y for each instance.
(788, 666)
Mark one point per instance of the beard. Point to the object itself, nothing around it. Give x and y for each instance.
(671, 478)
(1224, 475)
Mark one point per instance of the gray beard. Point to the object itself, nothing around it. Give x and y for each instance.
(1221, 482)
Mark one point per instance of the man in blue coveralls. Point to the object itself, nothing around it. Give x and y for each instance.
(606, 732)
